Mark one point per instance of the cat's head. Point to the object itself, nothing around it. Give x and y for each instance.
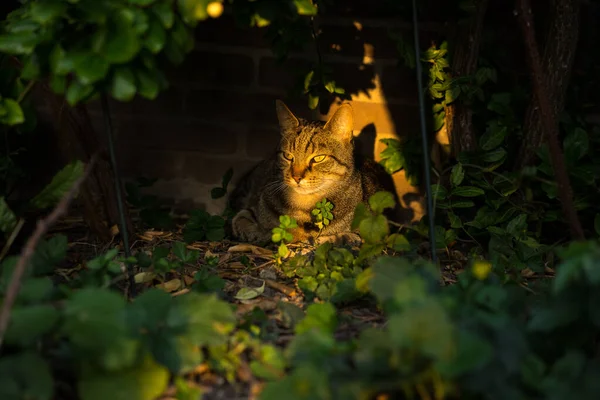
(314, 155)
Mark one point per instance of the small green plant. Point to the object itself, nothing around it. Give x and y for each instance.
(322, 214)
(152, 212)
(203, 226)
(220, 191)
(282, 235)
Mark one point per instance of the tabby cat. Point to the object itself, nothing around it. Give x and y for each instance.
(314, 160)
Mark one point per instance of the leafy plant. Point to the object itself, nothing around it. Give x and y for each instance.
(322, 214)
(218, 192)
(282, 235)
(152, 212)
(48, 197)
(203, 226)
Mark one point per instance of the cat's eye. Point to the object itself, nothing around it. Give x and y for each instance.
(319, 159)
(287, 156)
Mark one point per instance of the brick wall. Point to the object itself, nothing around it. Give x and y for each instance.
(219, 111)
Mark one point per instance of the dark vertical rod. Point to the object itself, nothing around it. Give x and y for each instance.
(425, 142)
(120, 203)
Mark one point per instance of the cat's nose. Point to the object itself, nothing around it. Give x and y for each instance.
(297, 178)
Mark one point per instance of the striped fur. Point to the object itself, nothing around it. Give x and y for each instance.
(314, 160)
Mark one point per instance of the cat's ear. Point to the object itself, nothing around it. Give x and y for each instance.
(287, 120)
(341, 124)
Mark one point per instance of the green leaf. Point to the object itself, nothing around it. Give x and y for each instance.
(461, 204)
(452, 94)
(467, 191)
(425, 328)
(156, 36)
(14, 113)
(455, 221)
(313, 101)
(374, 229)
(123, 84)
(141, 382)
(322, 317)
(49, 253)
(439, 192)
(142, 3)
(517, 225)
(61, 63)
(203, 318)
(576, 145)
(77, 92)
(8, 220)
(457, 175)
(493, 137)
(164, 12)
(122, 44)
(45, 11)
(380, 201)
(360, 212)
(27, 324)
(248, 293)
(495, 155)
(392, 158)
(90, 68)
(439, 121)
(92, 316)
(59, 186)
(148, 86)
(398, 242)
(25, 376)
(473, 353)
(305, 7)
(18, 43)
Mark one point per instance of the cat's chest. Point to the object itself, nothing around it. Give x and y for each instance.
(301, 206)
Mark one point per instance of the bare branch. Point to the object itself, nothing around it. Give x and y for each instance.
(548, 118)
(28, 250)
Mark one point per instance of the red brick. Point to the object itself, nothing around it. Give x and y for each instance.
(399, 82)
(350, 41)
(220, 105)
(224, 31)
(233, 106)
(159, 164)
(215, 69)
(178, 134)
(354, 77)
(262, 141)
(288, 74)
(209, 170)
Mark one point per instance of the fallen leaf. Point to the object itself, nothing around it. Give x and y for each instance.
(144, 277)
(527, 273)
(114, 230)
(170, 286)
(288, 291)
(247, 293)
(262, 303)
(245, 248)
(209, 254)
(236, 265)
(188, 280)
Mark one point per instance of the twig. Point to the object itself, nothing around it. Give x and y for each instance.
(25, 91)
(550, 124)
(28, 250)
(12, 238)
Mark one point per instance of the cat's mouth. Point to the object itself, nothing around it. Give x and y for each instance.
(303, 187)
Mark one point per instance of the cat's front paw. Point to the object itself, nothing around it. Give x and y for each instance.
(246, 229)
(340, 239)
